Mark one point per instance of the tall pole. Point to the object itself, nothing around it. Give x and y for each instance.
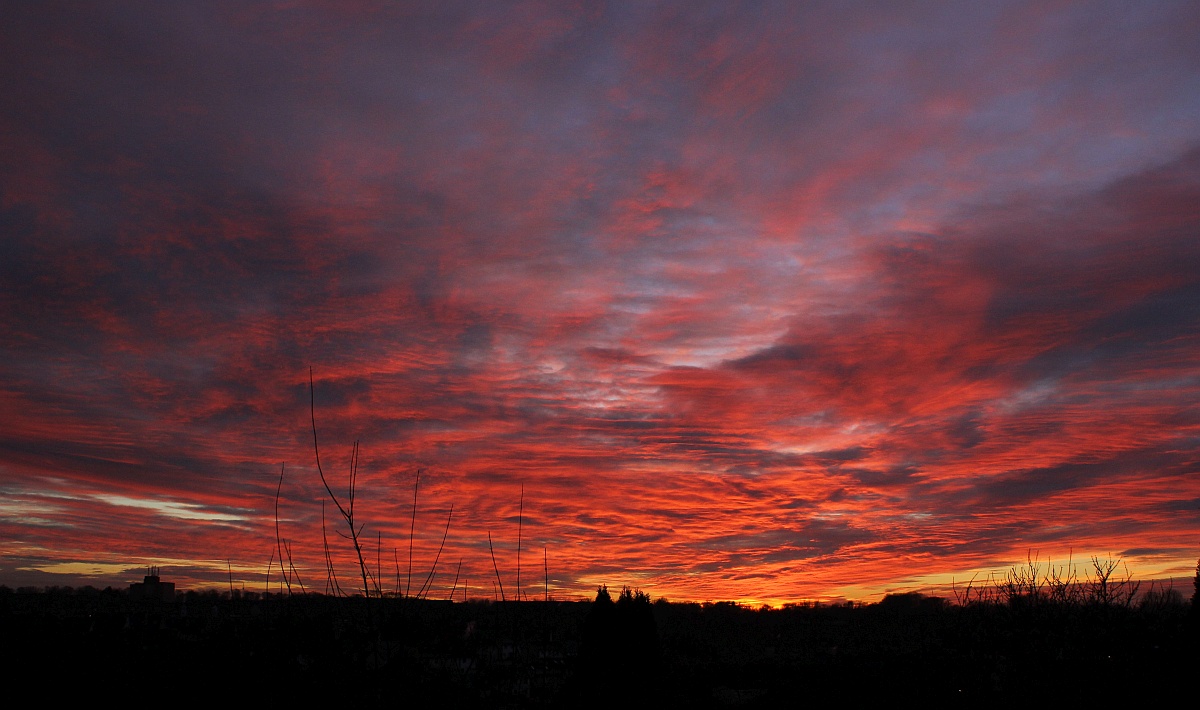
(520, 519)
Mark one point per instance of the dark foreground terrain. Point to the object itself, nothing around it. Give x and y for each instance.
(624, 651)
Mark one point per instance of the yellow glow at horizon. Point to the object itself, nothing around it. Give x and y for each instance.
(85, 569)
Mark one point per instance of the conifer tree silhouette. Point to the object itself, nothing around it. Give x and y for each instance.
(620, 652)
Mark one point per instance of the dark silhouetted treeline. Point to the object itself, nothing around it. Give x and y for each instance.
(626, 650)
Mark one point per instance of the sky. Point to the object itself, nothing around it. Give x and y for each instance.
(763, 302)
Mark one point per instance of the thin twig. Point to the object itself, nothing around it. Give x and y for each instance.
(278, 544)
(331, 583)
(348, 514)
(494, 565)
(287, 546)
(429, 579)
(455, 586)
(378, 564)
(411, 529)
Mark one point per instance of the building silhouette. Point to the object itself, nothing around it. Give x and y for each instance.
(152, 588)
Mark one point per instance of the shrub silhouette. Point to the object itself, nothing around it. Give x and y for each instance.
(1195, 610)
(1196, 586)
(1108, 584)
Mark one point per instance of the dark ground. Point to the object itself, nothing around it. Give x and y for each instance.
(629, 652)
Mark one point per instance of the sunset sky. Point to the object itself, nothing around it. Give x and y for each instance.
(762, 302)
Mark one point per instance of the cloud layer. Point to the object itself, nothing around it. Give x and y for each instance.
(762, 304)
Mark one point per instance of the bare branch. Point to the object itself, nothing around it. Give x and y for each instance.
(287, 547)
(497, 569)
(455, 586)
(347, 512)
(412, 529)
(432, 570)
(378, 564)
(331, 583)
(278, 544)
